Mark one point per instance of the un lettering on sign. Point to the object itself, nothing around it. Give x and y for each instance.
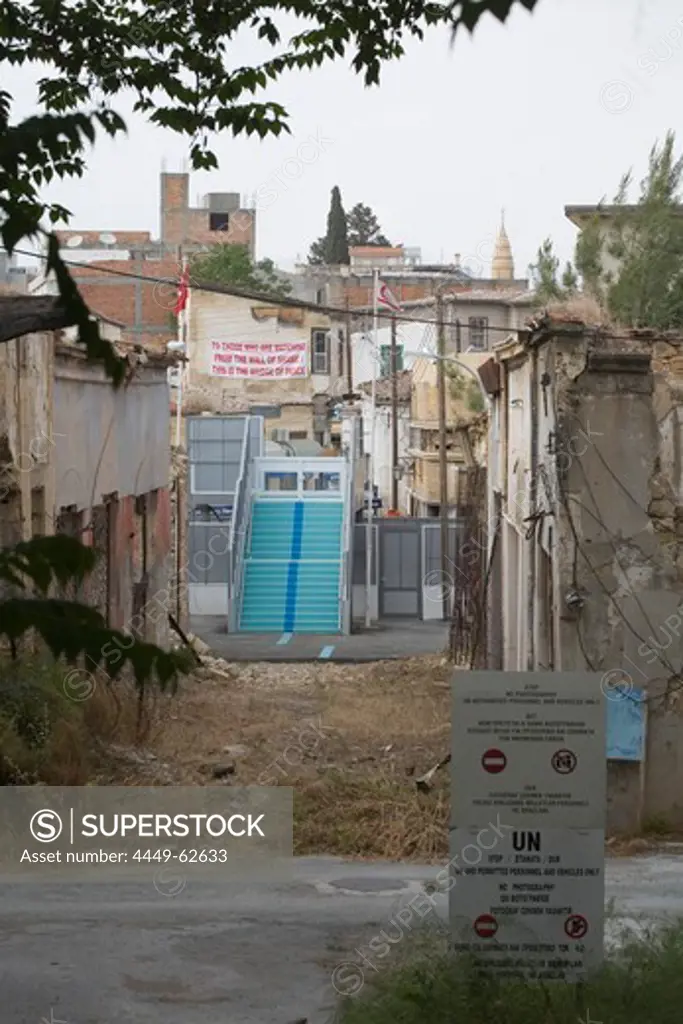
(528, 902)
(247, 360)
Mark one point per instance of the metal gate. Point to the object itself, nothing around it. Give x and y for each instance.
(409, 582)
(400, 589)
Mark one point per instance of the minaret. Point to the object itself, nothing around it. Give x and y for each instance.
(502, 265)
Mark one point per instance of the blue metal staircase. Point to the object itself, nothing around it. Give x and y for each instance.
(293, 567)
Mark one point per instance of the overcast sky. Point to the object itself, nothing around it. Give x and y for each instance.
(547, 110)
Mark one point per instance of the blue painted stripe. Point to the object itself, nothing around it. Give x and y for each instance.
(293, 574)
(326, 652)
(284, 639)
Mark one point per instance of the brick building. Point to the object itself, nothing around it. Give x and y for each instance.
(221, 220)
(104, 258)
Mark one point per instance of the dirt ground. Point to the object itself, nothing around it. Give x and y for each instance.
(350, 739)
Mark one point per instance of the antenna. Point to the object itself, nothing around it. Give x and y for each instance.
(74, 241)
(107, 238)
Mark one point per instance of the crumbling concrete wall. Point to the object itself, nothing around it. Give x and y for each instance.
(27, 440)
(113, 486)
(615, 445)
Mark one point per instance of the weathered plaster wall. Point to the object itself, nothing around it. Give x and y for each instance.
(218, 317)
(620, 547)
(27, 441)
(112, 441)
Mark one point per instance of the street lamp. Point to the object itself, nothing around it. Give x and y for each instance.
(451, 359)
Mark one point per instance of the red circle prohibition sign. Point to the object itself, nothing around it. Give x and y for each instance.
(486, 926)
(494, 761)
(576, 926)
(564, 761)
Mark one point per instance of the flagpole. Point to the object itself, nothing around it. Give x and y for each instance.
(182, 323)
(371, 458)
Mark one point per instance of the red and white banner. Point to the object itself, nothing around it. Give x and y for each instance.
(254, 360)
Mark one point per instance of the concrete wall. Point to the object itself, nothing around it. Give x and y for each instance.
(609, 535)
(109, 440)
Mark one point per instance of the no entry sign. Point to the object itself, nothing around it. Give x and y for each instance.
(486, 926)
(493, 761)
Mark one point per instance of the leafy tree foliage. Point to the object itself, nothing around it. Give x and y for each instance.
(316, 254)
(363, 227)
(647, 241)
(544, 276)
(71, 630)
(178, 63)
(232, 264)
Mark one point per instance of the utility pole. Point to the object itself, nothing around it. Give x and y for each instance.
(370, 555)
(394, 417)
(349, 364)
(443, 453)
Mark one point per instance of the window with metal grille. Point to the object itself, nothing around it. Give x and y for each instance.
(320, 351)
(479, 332)
(385, 360)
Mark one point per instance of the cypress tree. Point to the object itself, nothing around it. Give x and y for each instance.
(336, 239)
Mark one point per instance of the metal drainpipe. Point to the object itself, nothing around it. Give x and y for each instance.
(531, 607)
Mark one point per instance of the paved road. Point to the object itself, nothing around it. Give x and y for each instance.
(397, 638)
(234, 953)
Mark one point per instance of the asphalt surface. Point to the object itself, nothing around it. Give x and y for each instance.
(391, 638)
(235, 953)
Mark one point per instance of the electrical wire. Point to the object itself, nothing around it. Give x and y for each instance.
(535, 328)
(564, 498)
(285, 301)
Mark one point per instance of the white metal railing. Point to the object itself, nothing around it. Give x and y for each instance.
(347, 560)
(294, 472)
(242, 543)
(237, 530)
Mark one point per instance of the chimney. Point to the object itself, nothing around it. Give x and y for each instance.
(456, 261)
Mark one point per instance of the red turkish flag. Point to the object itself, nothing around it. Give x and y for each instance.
(183, 291)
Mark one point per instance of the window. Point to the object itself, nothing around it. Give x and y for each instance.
(479, 330)
(320, 352)
(298, 435)
(219, 221)
(385, 360)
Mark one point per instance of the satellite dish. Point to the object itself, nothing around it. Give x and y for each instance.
(74, 241)
(107, 238)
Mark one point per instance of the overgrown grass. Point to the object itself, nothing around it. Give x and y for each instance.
(381, 816)
(55, 722)
(642, 983)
